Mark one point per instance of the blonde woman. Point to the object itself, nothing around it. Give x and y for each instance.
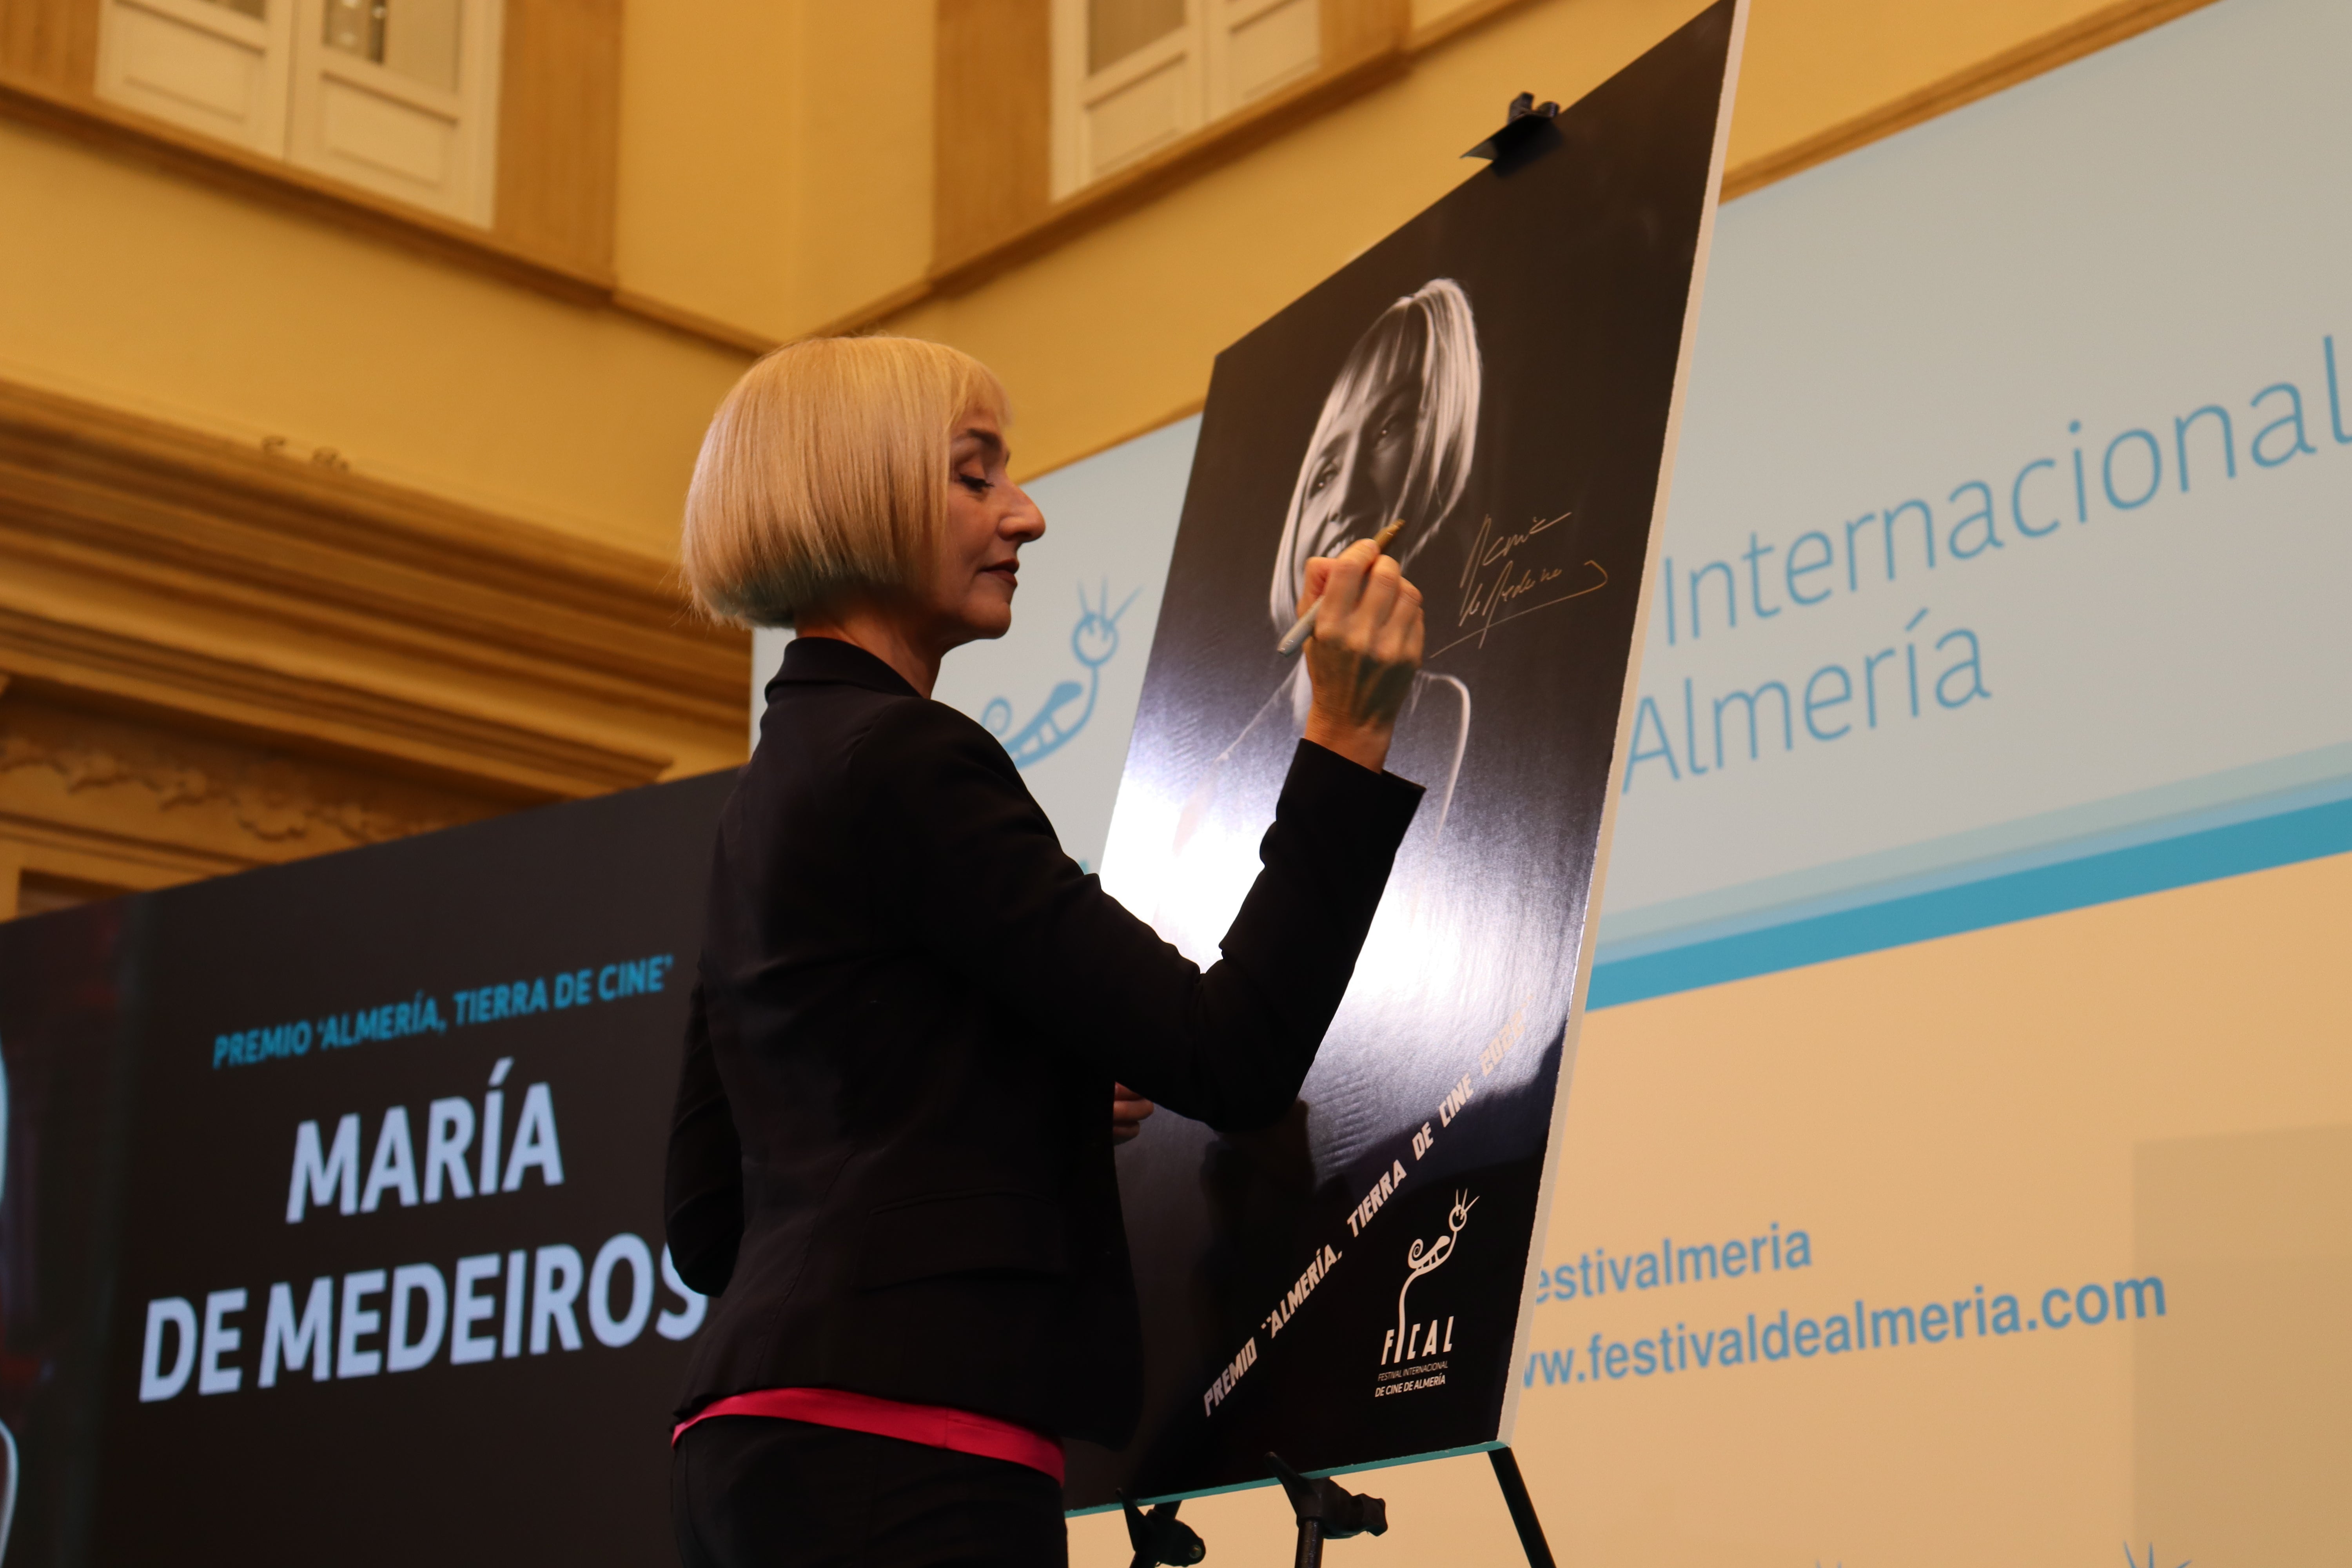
(889, 1162)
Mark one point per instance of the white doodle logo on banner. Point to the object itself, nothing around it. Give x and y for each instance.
(1093, 641)
(1405, 1341)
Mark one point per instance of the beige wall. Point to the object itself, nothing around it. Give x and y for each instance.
(774, 177)
(129, 288)
(1814, 63)
(774, 174)
(775, 157)
(1116, 331)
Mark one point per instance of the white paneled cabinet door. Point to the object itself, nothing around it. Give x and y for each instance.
(1132, 76)
(214, 66)
(400, 96)
(1256, 45)
(1128, 78)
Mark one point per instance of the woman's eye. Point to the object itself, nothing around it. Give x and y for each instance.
(977, 484)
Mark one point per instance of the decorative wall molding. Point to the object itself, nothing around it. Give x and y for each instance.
(216, 656)
(152, 568)
(272, 798)
(518, 758)
(95, 802)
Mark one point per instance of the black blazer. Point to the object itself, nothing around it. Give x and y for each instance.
(890, 1160)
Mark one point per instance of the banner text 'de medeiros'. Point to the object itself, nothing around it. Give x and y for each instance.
(403, 1317)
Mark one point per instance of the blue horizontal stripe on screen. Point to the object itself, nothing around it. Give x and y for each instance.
(2204, 856)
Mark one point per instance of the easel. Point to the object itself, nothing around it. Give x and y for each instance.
(1324, 1509)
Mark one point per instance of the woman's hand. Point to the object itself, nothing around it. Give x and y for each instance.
(1364, 654)
(1128, 1109)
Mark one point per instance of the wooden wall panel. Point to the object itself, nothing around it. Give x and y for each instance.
(993, 166)
(994, 123)
(1357, 30)
(214, 656)
(52, 42)
(559, 131)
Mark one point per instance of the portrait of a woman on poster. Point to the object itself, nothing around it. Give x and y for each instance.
(1395, 441)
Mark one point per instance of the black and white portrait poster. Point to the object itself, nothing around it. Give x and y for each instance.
(1501, 375)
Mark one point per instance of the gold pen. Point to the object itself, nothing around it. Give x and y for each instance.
(1296, 637)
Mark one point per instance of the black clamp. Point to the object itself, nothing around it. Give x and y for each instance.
(1528, 125)
(1157, 1538)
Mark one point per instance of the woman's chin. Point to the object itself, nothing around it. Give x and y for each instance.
(987, 622)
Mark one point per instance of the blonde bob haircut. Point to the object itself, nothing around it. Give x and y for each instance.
(825, 471)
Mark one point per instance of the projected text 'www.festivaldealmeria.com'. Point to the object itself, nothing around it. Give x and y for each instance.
(1863, 1325)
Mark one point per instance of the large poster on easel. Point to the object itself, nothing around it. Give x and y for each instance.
(1501, 375)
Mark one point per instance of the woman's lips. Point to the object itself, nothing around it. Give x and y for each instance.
(1337, 535)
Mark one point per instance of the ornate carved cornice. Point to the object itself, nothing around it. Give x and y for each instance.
(151, 568)
(282, 808)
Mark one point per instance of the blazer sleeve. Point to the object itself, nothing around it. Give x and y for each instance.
(702, 1186)
(984, 885)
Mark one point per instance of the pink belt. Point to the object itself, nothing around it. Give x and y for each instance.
(933, 1426)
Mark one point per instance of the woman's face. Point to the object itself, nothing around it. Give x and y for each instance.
(1356, 476)
(988, 519)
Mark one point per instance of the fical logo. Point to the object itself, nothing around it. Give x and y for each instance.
(1410, 1340)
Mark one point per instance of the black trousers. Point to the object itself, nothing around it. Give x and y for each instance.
(751, 1491)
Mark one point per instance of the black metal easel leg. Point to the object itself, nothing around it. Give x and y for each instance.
(1326, 1512)
(1522, 1507)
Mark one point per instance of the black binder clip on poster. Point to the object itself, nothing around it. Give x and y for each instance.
(1528, 133)
(1157, 1538)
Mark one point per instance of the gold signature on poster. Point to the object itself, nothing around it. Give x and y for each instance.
(1495, 579)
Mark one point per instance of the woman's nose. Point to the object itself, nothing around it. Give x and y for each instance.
(1359, 490)
(1023, 520)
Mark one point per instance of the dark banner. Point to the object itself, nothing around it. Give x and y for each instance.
(332, 1224)
(1499, 376)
